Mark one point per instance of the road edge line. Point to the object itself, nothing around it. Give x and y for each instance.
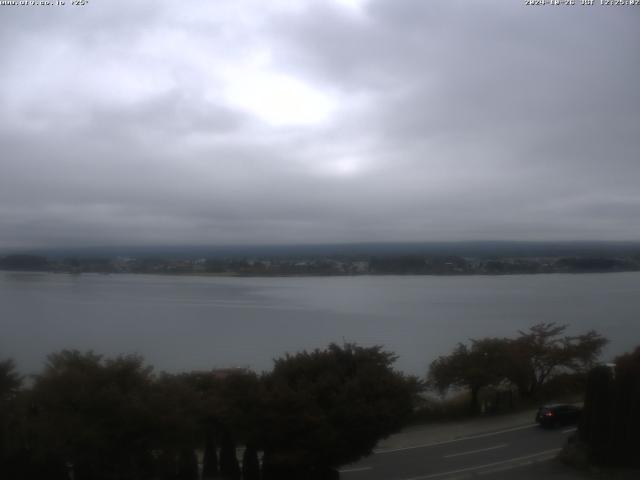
(459, 439)
(487, 465)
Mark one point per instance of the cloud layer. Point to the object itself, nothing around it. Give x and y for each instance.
(321, 121)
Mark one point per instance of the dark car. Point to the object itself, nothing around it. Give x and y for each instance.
(551, 416)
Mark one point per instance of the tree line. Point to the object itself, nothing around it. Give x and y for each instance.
(357, 264)
(527, 363)
(88, 417)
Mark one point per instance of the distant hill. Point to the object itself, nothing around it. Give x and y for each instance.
(480, 249)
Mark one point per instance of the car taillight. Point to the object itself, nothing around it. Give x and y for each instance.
(548, 414)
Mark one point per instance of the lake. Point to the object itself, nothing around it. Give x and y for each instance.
(184, 323)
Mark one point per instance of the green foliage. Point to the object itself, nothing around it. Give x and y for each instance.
(527, 362)
(236, 403)
(187, 464)
(595, 424)
(330, 407)
(229, 467)
(474, 367)
(111, 418)
(210, 458)
(250, 464)
(24, 262)
(94, 414)
(611, 418)
(626, 423)
(177, 408)
(10, 381)
(542, 352)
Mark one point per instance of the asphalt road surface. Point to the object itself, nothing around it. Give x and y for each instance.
(489, 455)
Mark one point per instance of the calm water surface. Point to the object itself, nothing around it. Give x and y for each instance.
(180, 323)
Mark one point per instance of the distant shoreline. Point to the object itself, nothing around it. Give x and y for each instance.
(328, 265)
(312, 275)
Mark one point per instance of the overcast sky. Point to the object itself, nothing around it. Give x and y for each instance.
(222, 122)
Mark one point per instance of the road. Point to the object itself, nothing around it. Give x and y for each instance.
(488, 455)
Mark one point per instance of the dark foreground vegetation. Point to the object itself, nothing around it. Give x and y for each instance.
(609, 430)
(92, 418)
(86, 417)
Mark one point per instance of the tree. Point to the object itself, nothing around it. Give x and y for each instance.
(210, 457)
(24, 262)
(596, 418)
(330, 407)
(608, 429)
(528, 362)
(10, 383)
(94, 414)
(475, 367)
(250, 464)
(176, 407)
(229, 467)
(542, 352)
(187, 464)
(10, 380)
(626, 423)
(229, 409)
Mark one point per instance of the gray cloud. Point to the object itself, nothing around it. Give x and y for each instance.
(246, 122)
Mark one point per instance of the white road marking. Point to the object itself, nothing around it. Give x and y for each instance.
(461, 439)
(569, 430)
(360, 469)
(476, 451)
(487, 465)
